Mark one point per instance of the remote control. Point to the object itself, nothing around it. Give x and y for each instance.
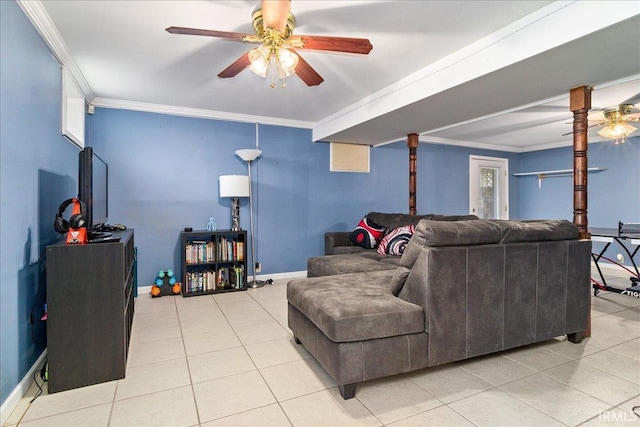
(105, 240)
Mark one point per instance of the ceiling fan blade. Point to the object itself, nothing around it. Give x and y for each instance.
(208, 33)
(335, 44)
(588, 127)
(307, 73)
(275, 13)
(233, 69)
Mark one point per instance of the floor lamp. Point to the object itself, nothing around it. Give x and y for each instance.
(249, 155)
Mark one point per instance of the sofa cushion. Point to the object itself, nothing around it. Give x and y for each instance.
(355, 307)
(395, 220)
(367, 233)
(340, 250)
(457, 233)
(453, 217)
(442, 233)
(390, 259)
(330, 265)
(537, 230)
(394, 242)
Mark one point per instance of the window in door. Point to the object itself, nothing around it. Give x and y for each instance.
(489, 187)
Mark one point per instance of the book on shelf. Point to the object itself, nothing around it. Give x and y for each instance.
(200, 252)
(239, 275)
(230, 277)
(227, 249)
(200, 281)
(240, 250)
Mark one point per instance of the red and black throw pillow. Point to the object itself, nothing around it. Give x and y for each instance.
(395, 241)
(367, 234)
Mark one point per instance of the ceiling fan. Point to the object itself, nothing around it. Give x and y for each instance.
(615, 120)
(273, 24)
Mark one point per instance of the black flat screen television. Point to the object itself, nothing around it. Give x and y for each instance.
(93, 187)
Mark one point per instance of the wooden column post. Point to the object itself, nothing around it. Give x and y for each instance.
(412, 143)
(580, 103)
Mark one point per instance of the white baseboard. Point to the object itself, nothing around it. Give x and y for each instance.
(9, 405)
(144, 290)
(280, 276)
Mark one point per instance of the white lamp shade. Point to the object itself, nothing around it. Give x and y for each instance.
(234, 186)
(249, 154)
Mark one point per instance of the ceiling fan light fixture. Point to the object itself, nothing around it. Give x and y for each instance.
(259, 58)
(617, 121)
(617, 130)
(287, 62)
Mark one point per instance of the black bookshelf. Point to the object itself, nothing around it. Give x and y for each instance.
(213, 262)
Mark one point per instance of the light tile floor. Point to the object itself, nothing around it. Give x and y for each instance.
(230, 360)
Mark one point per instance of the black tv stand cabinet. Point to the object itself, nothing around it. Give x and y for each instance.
(90, 303)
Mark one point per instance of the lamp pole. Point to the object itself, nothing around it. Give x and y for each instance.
(249, 156)
(254, 283)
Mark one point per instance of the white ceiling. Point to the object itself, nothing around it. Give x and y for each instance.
(492, 74)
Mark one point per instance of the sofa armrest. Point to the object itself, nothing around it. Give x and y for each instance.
(334, 239)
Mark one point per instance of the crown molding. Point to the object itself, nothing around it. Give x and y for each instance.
(44, 25)
(197, 113)
(562, 144)
(426, 139)
(470, 144)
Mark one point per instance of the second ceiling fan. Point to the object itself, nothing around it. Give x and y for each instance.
(273, 25)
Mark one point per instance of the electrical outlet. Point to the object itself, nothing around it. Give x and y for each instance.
(258, 267)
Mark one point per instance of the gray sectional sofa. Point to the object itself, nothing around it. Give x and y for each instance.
(461, 289)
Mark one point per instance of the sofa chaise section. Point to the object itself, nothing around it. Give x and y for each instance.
(356, 327)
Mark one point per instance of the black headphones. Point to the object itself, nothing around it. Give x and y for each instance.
(77, 220)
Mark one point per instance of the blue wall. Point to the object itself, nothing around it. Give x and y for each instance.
(38, 170)
(614, 194)
(443, 178)
(163, 173)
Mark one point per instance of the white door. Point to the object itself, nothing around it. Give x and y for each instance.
(489, 187)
